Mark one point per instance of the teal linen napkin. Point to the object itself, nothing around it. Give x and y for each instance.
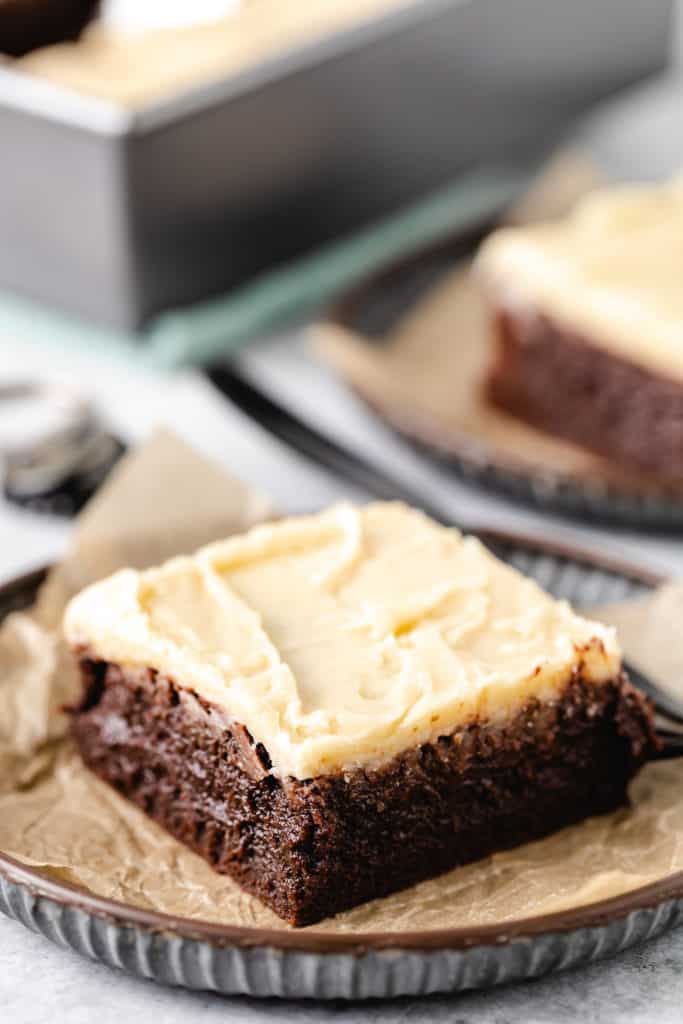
(196, 334)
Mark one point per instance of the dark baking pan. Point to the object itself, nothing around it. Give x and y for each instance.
(117, 215)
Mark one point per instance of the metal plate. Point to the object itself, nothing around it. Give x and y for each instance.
(297, 964)
(595, 501)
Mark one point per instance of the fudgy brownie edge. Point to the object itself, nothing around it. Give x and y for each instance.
(311, 848)
(559, 382)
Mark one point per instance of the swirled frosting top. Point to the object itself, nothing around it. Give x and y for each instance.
(610, 272)
(344, 638)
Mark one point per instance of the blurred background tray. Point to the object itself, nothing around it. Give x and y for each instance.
(369, 119)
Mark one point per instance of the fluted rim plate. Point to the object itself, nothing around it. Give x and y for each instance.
(304, 964)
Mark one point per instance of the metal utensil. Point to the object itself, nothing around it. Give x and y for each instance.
(54, 450)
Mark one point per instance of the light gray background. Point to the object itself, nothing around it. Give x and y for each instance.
(641, 135)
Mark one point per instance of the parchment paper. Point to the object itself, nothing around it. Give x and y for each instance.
(426, 376)
(56, 816)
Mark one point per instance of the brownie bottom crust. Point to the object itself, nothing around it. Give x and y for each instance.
(312, 848)
(563, 384)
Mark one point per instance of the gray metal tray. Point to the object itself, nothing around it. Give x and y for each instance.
(116, 215)
(299, 964)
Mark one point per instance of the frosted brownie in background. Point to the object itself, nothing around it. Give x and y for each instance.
(334, 707)
(588, 317)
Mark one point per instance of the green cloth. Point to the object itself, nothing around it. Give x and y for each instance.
(197, 334)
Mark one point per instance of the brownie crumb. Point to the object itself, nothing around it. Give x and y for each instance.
(312, 848)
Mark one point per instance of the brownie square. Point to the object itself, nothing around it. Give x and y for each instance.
(316, 824)
(587, 315)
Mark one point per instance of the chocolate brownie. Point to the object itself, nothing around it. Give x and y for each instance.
(587, 315)
(604, 403)
(333, 707)
(311, 848)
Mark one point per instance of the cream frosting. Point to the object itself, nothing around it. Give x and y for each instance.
(134, 68)
(344, 638)
(610, 271)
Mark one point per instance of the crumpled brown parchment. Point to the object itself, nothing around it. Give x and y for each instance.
(56, 816)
